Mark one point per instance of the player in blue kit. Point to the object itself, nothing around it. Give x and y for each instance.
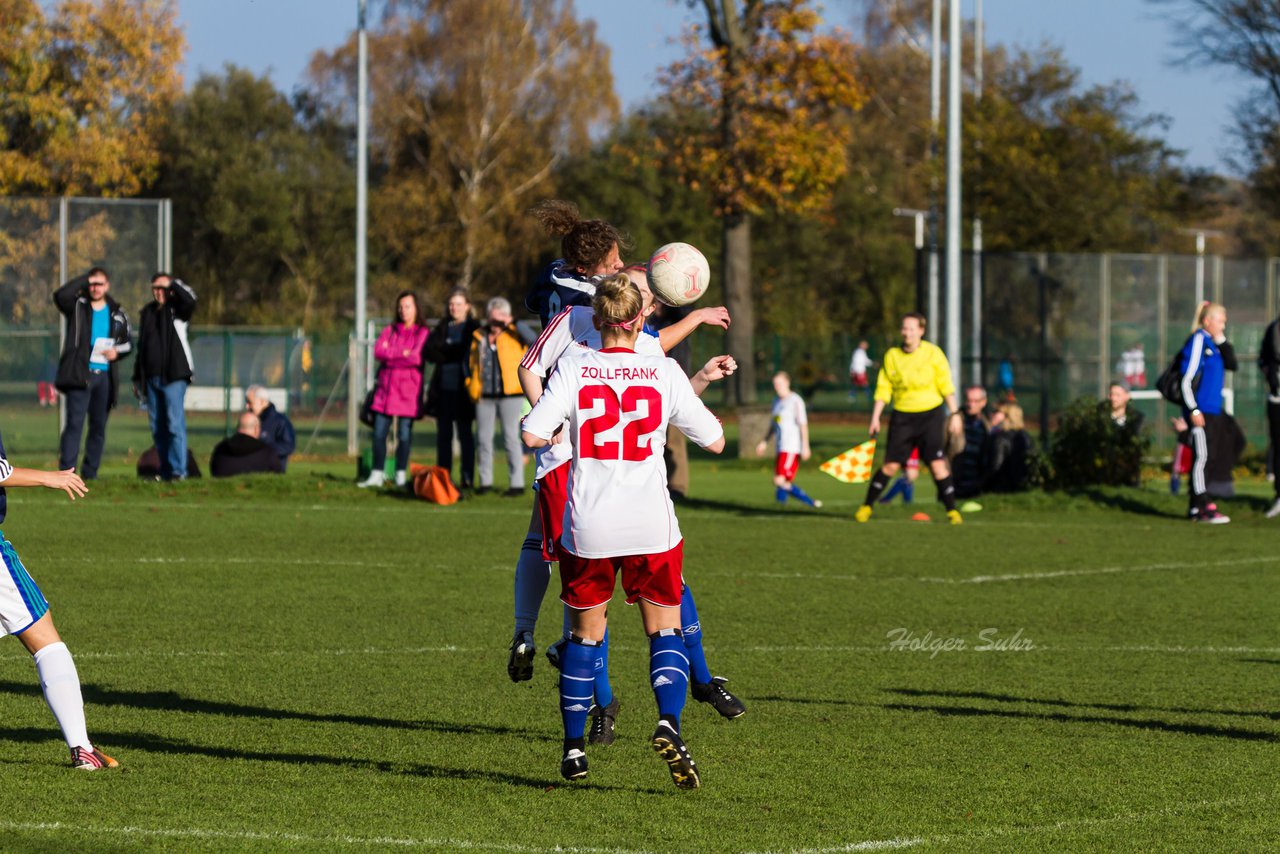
(24, 613)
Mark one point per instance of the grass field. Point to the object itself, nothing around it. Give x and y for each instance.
(291, 663)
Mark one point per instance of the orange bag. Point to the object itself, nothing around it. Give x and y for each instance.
(432, 483)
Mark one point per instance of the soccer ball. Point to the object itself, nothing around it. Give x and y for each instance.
(678, 274)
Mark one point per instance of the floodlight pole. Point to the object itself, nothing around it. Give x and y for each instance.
(919, 217)
(935, 116)
(954, 48)
(976, 339)
(355, 374)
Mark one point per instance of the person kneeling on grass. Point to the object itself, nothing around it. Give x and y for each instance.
(24, 613)
(790, 428)
(619, 515)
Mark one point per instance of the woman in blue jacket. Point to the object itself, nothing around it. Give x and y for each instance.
(1206, 357)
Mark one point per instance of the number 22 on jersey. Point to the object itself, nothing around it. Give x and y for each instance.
(630, 449)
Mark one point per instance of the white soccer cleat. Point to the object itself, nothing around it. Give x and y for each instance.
(375, 478)
(1275, 510)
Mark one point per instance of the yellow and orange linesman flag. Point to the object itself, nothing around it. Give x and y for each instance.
(854, 465)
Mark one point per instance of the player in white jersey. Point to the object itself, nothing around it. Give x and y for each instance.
(24, 613)
(573, 330)
(615, 404)
(789, 427)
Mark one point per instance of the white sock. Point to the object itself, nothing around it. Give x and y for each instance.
(400, 478)
(61, 686)
(532, 575)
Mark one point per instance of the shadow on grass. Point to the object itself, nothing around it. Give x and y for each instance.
(174, 702)
(1110, 707)
(1261, 660)
(125, 741)
(740, 509)
(1063, 717)
(1125, 502)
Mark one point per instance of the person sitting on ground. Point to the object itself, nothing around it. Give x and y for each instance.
(1123, 415)
(245, 452)
(970, 465)
(275, 427)
(1009, 452)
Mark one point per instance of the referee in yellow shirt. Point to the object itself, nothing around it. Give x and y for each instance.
(916, 379)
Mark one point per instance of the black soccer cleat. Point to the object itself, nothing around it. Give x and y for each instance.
(668, 744)
(520, 663)
(602, 720)
(721, 700)
(574, 764)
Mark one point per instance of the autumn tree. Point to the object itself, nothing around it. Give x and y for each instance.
(84, 87)
(775, 93)
(474, 104)
(263, 201)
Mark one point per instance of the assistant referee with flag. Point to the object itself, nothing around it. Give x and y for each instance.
(916, 379)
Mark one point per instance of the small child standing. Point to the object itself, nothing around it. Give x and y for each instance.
(790, 428)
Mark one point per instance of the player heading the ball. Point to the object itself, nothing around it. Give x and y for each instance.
(619, 517)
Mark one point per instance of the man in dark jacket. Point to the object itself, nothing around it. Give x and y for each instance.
(276, 428)
(163, 369)
(1269, 363)
(244, 453)
(970, 466)
(98, 335)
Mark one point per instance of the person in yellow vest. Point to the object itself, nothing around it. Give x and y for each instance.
(494, 384)
(916, 379)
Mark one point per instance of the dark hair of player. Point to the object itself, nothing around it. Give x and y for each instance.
(583, 243)
(617, 302)
(417, 308)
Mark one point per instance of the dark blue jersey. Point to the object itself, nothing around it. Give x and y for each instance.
(557, 288)
(1201, 356)
(5, 471)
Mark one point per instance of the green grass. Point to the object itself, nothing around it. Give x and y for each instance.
(291, 663)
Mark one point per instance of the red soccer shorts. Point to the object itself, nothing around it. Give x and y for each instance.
(860, 381)
(553, 494)
(786, 466)
(586, 582)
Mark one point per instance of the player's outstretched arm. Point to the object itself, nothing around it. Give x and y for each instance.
(68, 481)
(717, 368)
(670, 336)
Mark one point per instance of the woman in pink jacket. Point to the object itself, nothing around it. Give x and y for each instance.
(398, 393)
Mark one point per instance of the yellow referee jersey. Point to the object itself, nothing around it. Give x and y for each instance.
(916, 381)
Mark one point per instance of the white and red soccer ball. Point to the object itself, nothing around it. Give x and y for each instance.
(678, 274)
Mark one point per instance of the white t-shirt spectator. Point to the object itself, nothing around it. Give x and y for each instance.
(788, 414)
(860, 363)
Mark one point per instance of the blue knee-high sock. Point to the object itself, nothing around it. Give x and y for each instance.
(908, 491)
(781, 494)
(899, 486)
(577, 661)
(668, 674)
(603, 690)
(801, 494)
(532, 575)
(698, 669)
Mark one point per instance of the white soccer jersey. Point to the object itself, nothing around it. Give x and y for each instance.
(618, 404)
(860, 363)
(571, 331)
(788, 414)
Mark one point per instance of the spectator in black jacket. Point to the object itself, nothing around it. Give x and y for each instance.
(1009, 452)
(276, 428)
(245, 452)
(1269, 363)
(1121, 412)
(970, 465)
(98, 335)
(449, 349)
(163, 369)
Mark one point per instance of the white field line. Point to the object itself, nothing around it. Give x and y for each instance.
(1066, 824)
(769, 650)
(107, 831)
(1103, 570)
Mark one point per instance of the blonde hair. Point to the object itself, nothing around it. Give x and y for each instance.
(1012, 415)
(618, 303)
(1206, 309)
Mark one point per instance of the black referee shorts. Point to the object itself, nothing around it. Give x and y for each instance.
(910, 430)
